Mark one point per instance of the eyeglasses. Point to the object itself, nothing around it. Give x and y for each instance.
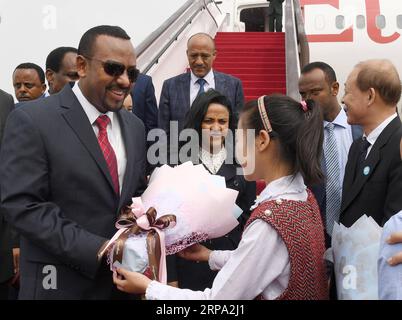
(116, 69)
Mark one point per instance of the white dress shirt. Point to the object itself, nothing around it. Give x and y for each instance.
(260, 264)
(195, 87)
(344, 139)
(373, 136)
(113, 131)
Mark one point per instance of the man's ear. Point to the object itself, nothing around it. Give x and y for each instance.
(262, 141)
(371, 96)
(49, 75)
(335, 88)
(44, 88)
(82, 66)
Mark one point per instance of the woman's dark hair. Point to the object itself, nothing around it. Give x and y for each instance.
(199, 109)
(300, 133)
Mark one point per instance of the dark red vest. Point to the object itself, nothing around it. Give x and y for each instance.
(300, 226)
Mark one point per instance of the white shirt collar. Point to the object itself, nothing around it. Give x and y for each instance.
(213, 161)
(372, 137)
(90, 110)
(209, 77)
(280, 187)
(341, 120)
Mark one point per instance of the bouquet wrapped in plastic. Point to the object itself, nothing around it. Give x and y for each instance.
(182, 206)
(354, 253)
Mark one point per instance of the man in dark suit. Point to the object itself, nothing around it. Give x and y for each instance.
(373, 175)
(144, 102)
(61, 68)
(7, 266)
(69, 163)
(318, 82)
(275, 13)
(29, 82)
(178, 93)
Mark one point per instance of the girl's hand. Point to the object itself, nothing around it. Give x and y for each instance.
(393, 239)
(196, 252)
(130, 282)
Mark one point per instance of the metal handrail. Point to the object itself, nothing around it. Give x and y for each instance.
(297, 50)
(158, 32)
(198, 6)
(304, 49)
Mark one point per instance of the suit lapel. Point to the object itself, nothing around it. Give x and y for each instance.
(129, 143)
(361, 178)
(353, 188)
(227, 170)
(220, 83)
(77, 119)
(184, 88)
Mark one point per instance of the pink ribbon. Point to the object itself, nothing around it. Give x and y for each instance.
(134, 220)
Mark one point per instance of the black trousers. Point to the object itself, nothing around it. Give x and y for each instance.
(275, 22)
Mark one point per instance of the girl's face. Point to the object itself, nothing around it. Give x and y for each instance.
(246, 150)
(215, 127)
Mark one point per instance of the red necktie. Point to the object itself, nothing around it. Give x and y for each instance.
(107, 150)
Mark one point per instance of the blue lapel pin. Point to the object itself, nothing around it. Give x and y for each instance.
(366, 170)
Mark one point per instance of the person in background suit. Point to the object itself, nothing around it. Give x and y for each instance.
(178, 93)
(128, 103)
(373, 175)
(61, 68)
(144, 102)
(29, 82)
(318, 82)
(9, 252)
(275, 13)
(212, 118)
(70, 162)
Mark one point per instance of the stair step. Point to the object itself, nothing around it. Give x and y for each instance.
(260, 77)
(233, 49)
(270, 71)
(262, 91)
(242, 55)
(264, 84)
(250, 34)
(275, 63)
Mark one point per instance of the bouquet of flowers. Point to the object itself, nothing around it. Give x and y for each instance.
(354, 253)
(182, 205)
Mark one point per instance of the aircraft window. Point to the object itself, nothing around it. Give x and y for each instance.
(399, 21)
(360, 22)
(340, 22)
(380, 21)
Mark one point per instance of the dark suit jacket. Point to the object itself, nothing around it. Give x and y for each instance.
(144, 102)
(6, 243)
(198, 276)
(175, 97)
(377, 194)
(58, 194)
(275, 7)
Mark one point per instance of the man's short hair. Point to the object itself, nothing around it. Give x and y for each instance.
(30, 65)
(88, 39)
(329, 72)
(55, 57)
(382, 76)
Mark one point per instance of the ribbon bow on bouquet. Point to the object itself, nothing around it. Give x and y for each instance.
(134, 220)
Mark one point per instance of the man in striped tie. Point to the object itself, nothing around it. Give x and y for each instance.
(318, 82)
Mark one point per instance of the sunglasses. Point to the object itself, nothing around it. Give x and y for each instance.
(116, 69)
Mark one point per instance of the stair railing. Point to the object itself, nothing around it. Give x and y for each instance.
(297, 49)
(155, 45)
